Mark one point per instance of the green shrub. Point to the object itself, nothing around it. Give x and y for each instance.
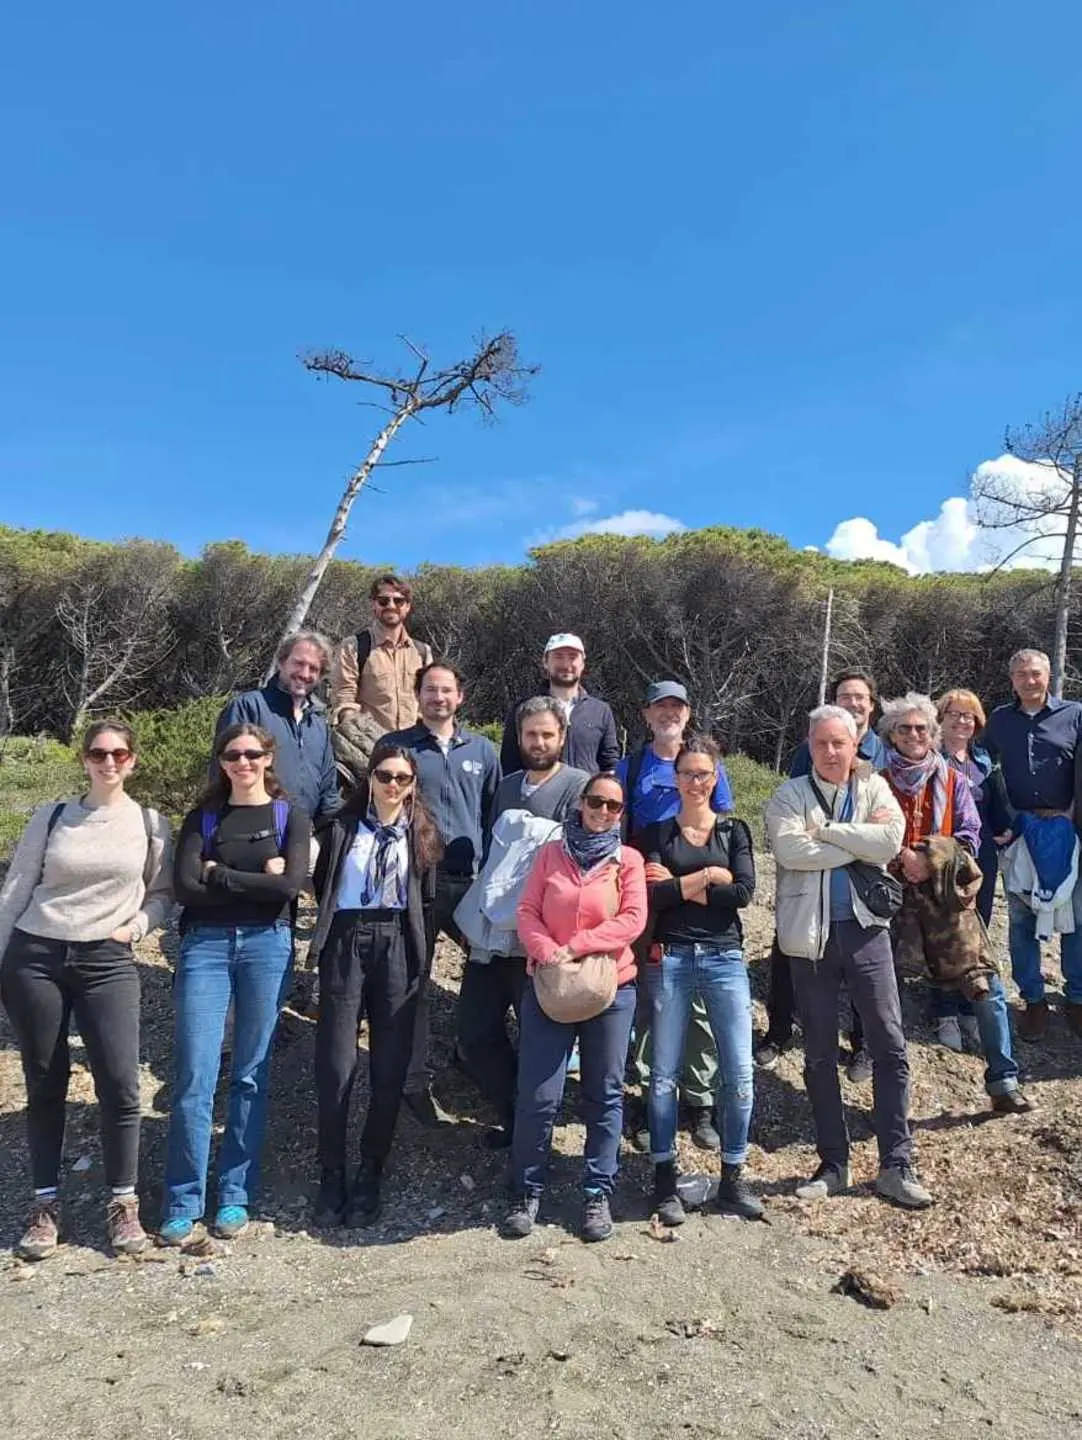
(491, 730)
(174, 751)
(753, 784)
(33, 769)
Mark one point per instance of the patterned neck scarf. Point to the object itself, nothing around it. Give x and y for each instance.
(909, 776)
(588, 848)
(387, 873)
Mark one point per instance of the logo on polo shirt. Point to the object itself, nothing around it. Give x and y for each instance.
(472, 767)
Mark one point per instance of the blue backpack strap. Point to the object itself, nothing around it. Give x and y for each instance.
(208, 828)
(281, 820)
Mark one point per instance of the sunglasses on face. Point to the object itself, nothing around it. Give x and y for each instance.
(598, 802)
(230, 757)
(393, 777)
(99, 756)
(911, 729)
(385, 600)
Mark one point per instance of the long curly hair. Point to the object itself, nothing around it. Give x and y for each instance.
(425, 839)
(219, 791)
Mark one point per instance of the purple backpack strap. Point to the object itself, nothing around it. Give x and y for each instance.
(208, 828)
(281, 820)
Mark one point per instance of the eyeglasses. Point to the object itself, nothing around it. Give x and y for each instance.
(231, 757)
(598, 802)
(695, 777)
(958, 716)
(99, 755)
(384, 600)
(393, 777)
(911, 729)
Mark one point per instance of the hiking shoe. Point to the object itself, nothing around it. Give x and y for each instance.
(230, 1221)
(703, 1131)
(126, 1235)
(1013, 1102)
(735, 1195)
(948, 1032)
(596, 1216)
(364, 1202)
(1072, 1013)
(519, 1222)
(828, 1180)
(330, 1203)
(899, 1184)
(176, 1232)
(1033, 1022)
(859, 1069)
(666, 1202)
(41, 1236)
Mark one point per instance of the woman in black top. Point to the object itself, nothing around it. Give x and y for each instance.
(242, 858)
(701, 873)
(377, 863)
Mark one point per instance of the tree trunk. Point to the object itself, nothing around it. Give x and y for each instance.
(356, 484)
(7, 718)
(1063, 584)
(824, 667)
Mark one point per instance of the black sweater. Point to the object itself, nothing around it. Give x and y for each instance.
(686, 922)
(238, 891)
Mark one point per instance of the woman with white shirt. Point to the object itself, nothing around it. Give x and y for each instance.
(374, 879)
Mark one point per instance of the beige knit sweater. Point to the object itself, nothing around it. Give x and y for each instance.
(87, 880)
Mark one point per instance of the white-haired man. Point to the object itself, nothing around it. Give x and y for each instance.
(821, 826)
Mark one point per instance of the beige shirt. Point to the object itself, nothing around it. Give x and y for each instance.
(384, 689)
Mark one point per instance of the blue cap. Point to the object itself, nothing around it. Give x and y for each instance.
(666, 690)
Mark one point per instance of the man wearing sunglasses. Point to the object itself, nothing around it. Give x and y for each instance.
(590, 743)
(375, 670)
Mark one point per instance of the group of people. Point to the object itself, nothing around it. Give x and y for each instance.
(598, 901)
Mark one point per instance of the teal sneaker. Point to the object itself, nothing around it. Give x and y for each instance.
(230, 1221)
(177, 1231)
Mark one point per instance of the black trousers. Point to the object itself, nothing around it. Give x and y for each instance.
(488, 992)
(781, 1003)
(363, 971)
(440, 918)
(42, 984)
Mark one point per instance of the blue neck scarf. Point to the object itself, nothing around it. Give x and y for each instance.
(588, 848)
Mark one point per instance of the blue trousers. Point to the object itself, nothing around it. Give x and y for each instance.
(1026, 950)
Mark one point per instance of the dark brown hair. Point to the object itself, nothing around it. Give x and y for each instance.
(418, 679)
(698, 745)
(219, 791)
(99, 727)
(425, 840)
(609, 775)
(837, 681)
(399, 584)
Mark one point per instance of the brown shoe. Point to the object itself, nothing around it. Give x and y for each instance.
(126, 1235)
(1012, 1103)
(1033, 1021)
(1072, 1013)
(40, 1238)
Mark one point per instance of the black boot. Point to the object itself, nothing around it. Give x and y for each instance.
(735, 1195)
(666, 1202)
(364, 1201)
(331, 1200)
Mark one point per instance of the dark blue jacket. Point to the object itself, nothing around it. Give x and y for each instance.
(871, 748)
(459, 789)
(591, 743)
(305, 760)
(1040, 755)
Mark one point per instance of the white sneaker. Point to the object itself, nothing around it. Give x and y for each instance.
(971, 1032)
(949, 1033)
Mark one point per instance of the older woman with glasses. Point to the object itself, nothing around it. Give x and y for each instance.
(937, 801)
(376, 866)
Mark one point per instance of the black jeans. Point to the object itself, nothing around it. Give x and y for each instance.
(449, 891)
(863, 958)
(42, 984)
(488, 992)
(781, 1004)
(363, 971)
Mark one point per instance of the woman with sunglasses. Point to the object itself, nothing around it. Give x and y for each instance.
(242, 858)
(376, 871)
(701, 871)
(585, 895)
(90, 878)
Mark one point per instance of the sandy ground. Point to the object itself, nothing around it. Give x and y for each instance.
(734, 1328)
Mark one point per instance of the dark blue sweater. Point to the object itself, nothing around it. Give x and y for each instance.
(459, 789)
(305, 761)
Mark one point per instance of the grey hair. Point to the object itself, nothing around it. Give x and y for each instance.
(541, 705)
(822, 713)
(1021, 657)
(306, 637)
(895, 710)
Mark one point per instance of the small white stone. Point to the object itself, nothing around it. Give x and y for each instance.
(467, 1182)
(391, 1332)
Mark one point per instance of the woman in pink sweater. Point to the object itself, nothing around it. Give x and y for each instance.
(586, 895)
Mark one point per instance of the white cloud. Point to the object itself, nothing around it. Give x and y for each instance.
(955, 540)
(627, 522)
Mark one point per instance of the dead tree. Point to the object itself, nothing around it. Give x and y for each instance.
(1045, 510)
(491, 375)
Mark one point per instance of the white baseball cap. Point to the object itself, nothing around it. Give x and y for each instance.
(564, 642)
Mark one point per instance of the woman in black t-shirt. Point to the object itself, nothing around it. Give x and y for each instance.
(241, 859)
(701, 873)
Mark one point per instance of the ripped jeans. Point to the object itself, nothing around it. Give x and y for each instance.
(721, 978)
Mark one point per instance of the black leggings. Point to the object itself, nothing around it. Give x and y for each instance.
(42, 984)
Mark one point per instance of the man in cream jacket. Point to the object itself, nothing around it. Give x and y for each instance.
(819, 824)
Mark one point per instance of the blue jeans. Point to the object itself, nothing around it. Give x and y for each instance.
(1001, 1072)
(721, 978)
(248, 964)
(1026, 950)
(543, 1048)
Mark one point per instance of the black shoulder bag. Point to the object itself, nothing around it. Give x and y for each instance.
(878, 891)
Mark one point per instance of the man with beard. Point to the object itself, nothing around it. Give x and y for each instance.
(492, 984)
(649, 780)
(590, 743)
(458, 772)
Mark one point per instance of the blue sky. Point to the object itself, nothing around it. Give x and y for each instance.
(782, 265)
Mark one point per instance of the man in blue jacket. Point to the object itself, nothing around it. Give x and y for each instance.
(459, 773)
(591, 743)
